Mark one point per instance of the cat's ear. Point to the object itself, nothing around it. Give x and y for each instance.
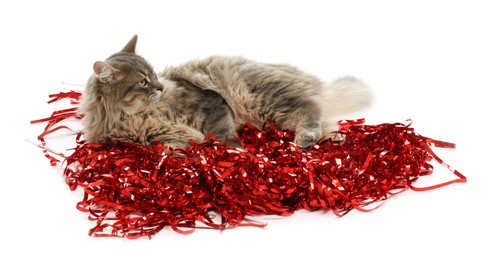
(130, 47)
(105, 72)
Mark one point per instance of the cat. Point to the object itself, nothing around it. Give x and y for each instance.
(125, 100)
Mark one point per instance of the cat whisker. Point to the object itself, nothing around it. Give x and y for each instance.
(155, 98)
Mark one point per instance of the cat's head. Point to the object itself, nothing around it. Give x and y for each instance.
(125, 80)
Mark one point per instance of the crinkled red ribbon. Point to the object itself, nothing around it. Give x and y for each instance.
(54, 119)
(133, 191)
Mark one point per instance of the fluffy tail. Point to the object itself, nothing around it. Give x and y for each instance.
(345, 96)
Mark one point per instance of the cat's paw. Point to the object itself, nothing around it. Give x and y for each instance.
(306, 135)
(306, 140)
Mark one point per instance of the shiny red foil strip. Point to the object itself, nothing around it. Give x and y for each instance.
(55, 118)
(135, 191)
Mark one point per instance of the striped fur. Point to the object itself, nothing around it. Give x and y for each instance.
(125, 101)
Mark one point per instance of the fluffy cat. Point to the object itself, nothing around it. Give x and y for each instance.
(126, 101)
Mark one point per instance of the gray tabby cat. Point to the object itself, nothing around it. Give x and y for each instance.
(126, 101)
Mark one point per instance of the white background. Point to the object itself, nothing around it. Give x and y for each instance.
(435, 62)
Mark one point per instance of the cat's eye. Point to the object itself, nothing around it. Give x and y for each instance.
(142, 83)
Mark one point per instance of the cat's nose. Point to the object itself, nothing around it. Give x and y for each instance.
(158, 86)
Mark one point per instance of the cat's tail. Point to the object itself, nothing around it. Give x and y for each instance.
(345, 96)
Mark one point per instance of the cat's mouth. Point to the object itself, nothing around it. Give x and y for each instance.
(155, 98)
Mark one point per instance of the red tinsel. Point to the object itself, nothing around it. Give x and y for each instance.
(133, 191)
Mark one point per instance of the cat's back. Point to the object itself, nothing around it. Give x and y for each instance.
(249, 87)
(215, 67)
(237, 74)
(225, 75)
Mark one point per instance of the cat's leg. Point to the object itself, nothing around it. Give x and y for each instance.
(177, 136)
(150, 130)
(221, 124)
(309, 127)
